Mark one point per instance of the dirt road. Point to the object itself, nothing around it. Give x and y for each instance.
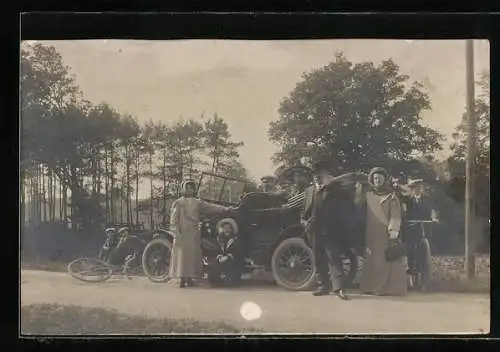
(282, 311)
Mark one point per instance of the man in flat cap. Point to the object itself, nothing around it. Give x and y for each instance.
(267, 183)
(418, 207)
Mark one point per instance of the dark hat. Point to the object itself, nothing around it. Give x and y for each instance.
(300, 169)
(268, 178)
(188, 182)
(319, 166)
(287, 174)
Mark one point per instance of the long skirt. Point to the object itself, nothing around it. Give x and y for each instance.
(380, 277)
(186, 260)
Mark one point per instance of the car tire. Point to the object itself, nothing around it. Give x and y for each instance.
(148, 271)
(309, 280)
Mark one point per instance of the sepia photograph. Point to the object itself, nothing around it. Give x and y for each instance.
(253, 187)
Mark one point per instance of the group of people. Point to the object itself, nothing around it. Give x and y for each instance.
(334, 211)
(334, 216)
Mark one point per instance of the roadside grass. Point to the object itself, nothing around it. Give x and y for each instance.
(55, 319)
(55, 266)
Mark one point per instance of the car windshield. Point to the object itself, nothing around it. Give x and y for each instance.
(220, 189)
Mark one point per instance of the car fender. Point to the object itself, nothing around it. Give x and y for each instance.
(161, 233)
(296, 230)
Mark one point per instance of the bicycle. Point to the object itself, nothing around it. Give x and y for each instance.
(100, 269)
(420, 266)
(97, 270)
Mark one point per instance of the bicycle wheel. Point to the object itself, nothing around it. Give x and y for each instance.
(426, 266)
(90, 270)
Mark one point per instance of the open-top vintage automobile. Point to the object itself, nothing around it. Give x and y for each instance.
(271, 232)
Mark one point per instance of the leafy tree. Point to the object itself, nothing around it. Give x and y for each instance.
(482, 109)
(148, 133)
(186, 144)
(222, 151)
(128, 134)
(47, 92)
(358, 115)
(482, 160)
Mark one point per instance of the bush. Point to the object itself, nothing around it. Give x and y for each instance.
(55, 319)
(448, 274)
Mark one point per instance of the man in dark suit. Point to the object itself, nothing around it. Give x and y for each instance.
(418, 207)
(327, 222)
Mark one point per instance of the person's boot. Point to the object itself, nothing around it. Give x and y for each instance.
(322, 291)
(182, 283)
(341, 294)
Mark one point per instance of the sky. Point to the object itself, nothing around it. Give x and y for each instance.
(245, 81)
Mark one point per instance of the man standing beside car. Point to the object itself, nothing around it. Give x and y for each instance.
(300, 176)
(327, 222)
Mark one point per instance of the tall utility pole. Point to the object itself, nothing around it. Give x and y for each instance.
(470, 168)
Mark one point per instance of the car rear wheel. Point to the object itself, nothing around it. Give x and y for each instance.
(156, 260)
(292, 265)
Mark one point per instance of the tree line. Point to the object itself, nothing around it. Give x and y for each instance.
(92, 158)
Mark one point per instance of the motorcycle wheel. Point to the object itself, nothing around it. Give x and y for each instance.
(156, 260)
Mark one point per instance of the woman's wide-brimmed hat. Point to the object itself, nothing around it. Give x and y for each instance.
(225, 221)
(378, 170)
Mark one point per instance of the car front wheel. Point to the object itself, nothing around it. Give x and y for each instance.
(292, 265)
(156, 259)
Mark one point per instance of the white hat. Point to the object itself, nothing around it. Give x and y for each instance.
(229, 221)
(416, 182)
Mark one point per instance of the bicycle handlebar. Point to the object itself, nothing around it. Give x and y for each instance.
(421, 221)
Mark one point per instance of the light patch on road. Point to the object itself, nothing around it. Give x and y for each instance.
(250, 311)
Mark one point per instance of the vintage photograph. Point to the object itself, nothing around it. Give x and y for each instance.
(254, 187)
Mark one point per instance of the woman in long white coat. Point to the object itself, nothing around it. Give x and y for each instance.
(186, 260)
